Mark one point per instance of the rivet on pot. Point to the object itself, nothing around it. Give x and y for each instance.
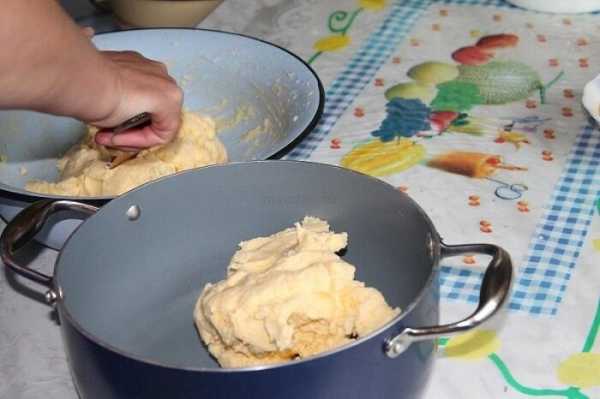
(430, 246)
(396, 347)
(52, 296)
(133, 213)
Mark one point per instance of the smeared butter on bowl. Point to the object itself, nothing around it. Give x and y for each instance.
(85, 171)
(287, 296)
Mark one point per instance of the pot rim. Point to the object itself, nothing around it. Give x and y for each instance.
(436, 244)
(29, 196)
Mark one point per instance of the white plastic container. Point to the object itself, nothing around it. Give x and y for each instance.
(559, 6)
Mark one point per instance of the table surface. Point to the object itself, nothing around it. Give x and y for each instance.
(413, 99)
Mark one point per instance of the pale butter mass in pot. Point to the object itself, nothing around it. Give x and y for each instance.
(84, 170)
(287, 296)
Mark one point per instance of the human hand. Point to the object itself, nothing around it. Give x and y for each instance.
(141, 85)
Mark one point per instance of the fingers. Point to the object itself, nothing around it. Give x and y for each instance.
(135, 139)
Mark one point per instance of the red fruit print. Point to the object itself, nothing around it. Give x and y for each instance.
(523, 206)
(474, 200)
(531, 104)
(503, 40)
(472, 56)
(495, 160)
(499, 140)
(335, 144)
(583, 63)
(436, 27)
(486, 229)
(379, 82)
(442, 119)
(444, 13)
(547, 155)
(566, 21)
(582, 41)
(396, 60)
(402, 188)
(553, 62)
(469, 260)
(497, 17)
(549, 134)
(359, 112)
(567, 112)
(485, 223)
(541, 38)
(568, 93)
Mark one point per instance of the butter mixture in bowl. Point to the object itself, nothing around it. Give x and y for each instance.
(287, 296)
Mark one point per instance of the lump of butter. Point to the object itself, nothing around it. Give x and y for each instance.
(287, 296)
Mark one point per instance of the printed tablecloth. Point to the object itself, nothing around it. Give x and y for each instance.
(473, 109)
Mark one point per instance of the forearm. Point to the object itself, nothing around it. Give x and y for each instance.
(46, 63)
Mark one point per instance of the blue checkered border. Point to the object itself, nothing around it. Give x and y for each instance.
(360, 71)
(460, 284)
(492, 3)
(561, 233)
(559, 236)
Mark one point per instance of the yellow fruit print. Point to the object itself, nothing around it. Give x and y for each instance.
(373, 5)
(515, 138)
(339, 24)
(474, 345)
(332, 43)
(581, 370)
(378, 158)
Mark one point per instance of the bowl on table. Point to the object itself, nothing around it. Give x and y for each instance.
(263, 97)
(556, 7)
(159, 13)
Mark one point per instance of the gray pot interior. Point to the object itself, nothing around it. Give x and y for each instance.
(133, 284)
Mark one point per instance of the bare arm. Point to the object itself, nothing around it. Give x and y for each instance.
(49, 65)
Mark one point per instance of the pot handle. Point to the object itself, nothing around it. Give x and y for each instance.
(495, 288)
(26, 225)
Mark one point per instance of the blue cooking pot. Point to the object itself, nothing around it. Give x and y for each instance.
(126, 282)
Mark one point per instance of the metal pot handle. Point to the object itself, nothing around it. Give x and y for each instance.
(495, 288)
(26, 225)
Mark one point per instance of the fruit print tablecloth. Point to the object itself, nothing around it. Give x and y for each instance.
(473, 109)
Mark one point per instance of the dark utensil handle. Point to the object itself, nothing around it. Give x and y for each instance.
(26, 225)
(102, 5)
(495, 288)
(135, 121)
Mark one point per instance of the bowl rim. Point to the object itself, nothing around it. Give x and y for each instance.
(436, 255)
(20, 194)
